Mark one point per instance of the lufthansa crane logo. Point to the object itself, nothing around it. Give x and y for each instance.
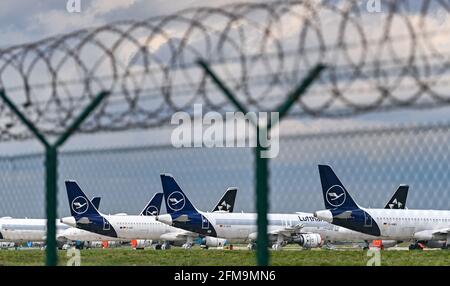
(80, 205)
(335, 196)
(176, 201)
(151, 211)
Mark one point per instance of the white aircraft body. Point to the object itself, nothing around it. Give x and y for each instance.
(127, 227)
(301, 228)
(27, 229)
(408, 225)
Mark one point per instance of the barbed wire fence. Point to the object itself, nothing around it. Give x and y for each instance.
(144, 71)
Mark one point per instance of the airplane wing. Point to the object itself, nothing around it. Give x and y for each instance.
(182, 218)
(179, 235)
(344, 215)
(442, 231)
(184, 234)
(287, 231)
(283, 232)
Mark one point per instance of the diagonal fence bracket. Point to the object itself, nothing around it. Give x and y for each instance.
(51, 166)
(262, 163)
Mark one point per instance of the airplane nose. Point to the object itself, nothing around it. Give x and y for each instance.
(325, 215)
(165, 218)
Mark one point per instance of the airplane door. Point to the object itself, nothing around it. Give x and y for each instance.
(205, 223)
(367, 220)
(106, 225)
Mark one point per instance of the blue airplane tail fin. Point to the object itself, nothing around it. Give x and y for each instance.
(80, 205)
(96, 202)
(174, 197)
(153, 207)
(334, 193)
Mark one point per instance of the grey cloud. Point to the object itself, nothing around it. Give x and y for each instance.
(20, 16)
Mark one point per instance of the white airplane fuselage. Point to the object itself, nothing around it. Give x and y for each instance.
(242, 227)
(22, 230)
(138, 227)
(25, 229)
(410, 224)
(394, 224)
(129, 227)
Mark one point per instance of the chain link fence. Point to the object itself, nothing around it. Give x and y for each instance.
(134, 75)
(371, 162)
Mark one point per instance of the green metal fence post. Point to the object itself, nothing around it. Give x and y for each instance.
(262, 202)
(262, 164)
(51, 167)
(51, 173)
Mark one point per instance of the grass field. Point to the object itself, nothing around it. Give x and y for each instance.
(180, 257)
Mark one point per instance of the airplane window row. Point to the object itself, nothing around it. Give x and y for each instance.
(137, 223)
(417, 219)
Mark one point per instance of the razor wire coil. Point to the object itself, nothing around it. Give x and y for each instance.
(392, 59)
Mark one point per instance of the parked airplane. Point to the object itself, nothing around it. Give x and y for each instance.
(152, 208)
(26, 229)
(235, 227)
(127, 227)
(419, 226)
(337, 234)
(301, 228)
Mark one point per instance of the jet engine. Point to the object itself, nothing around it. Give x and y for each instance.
(308, 240)
(427, 235)
(436, 244)
(212, 241)
(140, 243)
(388, 243)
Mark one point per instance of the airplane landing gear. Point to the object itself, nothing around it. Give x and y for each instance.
(366, 245)
(165, 246)
(277, 246)
(251, 246)
(187, 245)
(328, 245)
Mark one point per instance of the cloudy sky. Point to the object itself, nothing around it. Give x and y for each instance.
(22, 21)
(126, 179)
